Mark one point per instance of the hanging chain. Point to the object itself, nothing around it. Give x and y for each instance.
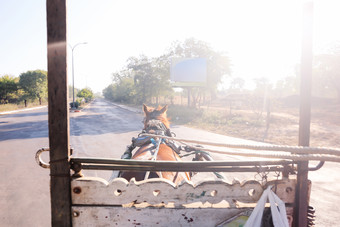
(261, 175)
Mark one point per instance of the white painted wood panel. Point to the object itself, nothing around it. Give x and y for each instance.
(115, 216)
(155, 191)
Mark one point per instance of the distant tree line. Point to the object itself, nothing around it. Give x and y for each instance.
(31, 86)
(144, 78)
(326, 73)
(325, 80)
(82, 96)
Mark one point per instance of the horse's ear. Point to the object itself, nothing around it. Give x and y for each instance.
(145, 109)
(164, 109)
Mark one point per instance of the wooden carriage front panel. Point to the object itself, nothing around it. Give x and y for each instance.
(118, 216)
(96, 202)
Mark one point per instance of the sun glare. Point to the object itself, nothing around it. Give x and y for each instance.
(262, 38)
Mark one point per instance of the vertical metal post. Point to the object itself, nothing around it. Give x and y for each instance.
(73, 47)
(58, 115)
(189, 96)
(305, 109)
(73, 102)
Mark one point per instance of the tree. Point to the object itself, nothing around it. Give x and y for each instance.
(150, 77)
(287, 86)
(8, 88)
(108, 92)
(327, 71)
(262, 86)
(86, 93)
(142, 74)
(237, 84)
(70, 91)
(125, 91)
(122, 90)
(34, 85)
(218, 64)
(123, 87)
(161, 72)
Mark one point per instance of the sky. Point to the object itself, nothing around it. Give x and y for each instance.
(262, 38)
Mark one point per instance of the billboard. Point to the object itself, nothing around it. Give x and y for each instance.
(188, 72)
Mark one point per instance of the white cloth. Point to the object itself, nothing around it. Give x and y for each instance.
(277, 208)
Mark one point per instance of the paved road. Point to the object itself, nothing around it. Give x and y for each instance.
(24, 186)
(102, 129)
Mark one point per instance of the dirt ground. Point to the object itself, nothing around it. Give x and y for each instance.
(284, 130)
(283, 127)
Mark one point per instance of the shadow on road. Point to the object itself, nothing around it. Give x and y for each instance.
(34, 114)
(101, 124)
(34, 124)
(23, 130)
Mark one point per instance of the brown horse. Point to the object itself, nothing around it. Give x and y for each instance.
(156, 122)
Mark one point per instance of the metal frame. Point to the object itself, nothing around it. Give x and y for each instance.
(300, 215)
(77, 164)
(59, 115)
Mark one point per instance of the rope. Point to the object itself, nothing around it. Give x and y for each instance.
(300, 153)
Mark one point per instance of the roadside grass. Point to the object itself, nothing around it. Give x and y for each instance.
(247, 125)
(280, 126)
(211, 118)
(11, 106)
(183, 114)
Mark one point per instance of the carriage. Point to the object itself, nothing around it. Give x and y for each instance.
(78, 200)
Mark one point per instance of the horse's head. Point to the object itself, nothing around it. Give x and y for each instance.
(156, 123)
(155, 114)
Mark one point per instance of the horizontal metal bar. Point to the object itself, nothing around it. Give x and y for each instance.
(317, 167)
(185, 166)
(180, 169)
(174, 163)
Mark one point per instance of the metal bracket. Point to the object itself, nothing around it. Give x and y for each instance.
(39, 160)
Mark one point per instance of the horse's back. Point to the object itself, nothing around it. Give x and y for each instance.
(165, 153)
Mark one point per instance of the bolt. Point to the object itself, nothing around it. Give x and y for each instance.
(77, 190)
(289, 189)
(75, 214)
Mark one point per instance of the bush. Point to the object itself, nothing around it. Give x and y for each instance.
(75, 104)
(85, 93)
(183, 114)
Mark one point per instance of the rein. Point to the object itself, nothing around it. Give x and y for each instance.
(153, 127)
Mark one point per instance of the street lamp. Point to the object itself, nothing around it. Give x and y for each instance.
(73, 103)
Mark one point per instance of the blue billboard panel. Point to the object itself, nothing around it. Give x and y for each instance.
(188, 70)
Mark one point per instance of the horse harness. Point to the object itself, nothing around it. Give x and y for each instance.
(155, 127)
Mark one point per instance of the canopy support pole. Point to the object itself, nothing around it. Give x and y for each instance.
(58, 113)
(302, 198)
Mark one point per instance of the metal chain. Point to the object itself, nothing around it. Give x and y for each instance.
(263, 177)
